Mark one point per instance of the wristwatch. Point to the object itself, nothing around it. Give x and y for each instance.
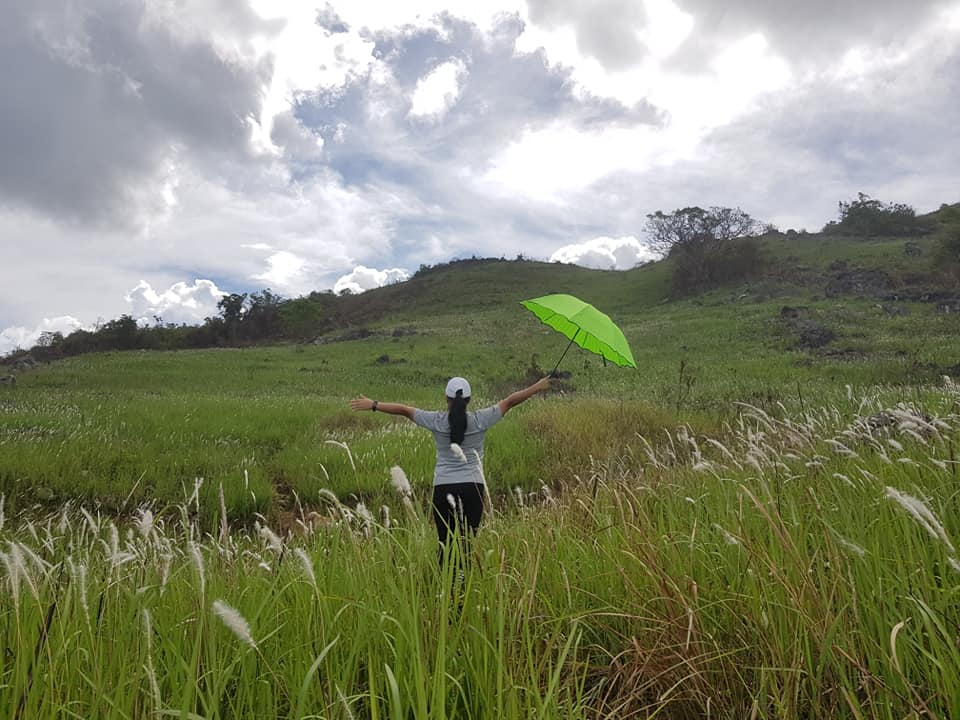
(374, 406)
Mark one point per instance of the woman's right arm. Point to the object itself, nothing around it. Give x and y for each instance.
(364, 403)
(520, 396)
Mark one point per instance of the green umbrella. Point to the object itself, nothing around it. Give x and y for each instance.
(584, 325)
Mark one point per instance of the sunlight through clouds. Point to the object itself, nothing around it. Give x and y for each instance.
(437, 91)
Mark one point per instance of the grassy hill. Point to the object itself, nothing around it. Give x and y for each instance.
(827, 312)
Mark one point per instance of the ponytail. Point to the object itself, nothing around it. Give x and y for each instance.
(458, 418)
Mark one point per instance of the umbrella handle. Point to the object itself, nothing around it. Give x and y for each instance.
(553, 373)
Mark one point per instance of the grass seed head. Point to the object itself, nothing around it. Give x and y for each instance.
(458, 452)
(235, 622)
(145, 523)
(307, 564)
(198, 565)
(922, 514)
(272, 540)
(398, 478)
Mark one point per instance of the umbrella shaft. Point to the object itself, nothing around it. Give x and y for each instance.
(554, 371)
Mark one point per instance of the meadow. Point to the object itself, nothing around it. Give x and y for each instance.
(747, 526)
(802, 566)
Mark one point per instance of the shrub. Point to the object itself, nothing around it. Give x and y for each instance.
(868, 217)
(702, 264)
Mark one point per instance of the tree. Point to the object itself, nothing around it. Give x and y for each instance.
(868, 217)
(263, 315)
(707, 247)
(231, 309)
(696, 225)
(120, 334)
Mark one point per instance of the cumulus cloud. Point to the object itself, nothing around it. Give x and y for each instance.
(608, 30)
(807, 33)
(180, 303)
(364, 278)
(12, 338)
(95, 99)
(622, 35)
(604, 253)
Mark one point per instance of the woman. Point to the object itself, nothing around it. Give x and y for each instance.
(458, 480)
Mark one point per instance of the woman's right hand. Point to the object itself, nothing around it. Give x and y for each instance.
(543, 384)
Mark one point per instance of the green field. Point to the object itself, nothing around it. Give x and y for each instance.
(749, 525)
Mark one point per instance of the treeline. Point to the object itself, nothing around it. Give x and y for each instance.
(244, 319)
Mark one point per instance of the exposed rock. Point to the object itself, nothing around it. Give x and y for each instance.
(387, 360)
(357, 334)
(789, 313)
(912, 249)
(895, 310)
(364, 333)
(8, 380)
(813, 335)
(27, 362)
(859, 282)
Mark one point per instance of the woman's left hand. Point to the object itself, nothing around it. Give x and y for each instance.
(361, 403)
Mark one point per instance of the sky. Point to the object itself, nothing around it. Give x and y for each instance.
(155, 154)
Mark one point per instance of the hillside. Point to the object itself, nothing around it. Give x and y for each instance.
(918, 266)
(826, 312)
(798, 265)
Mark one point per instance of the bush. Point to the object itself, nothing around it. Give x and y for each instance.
(699, 265)
(868, 217)
(948, 253)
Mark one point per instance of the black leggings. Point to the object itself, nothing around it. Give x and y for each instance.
(457, 507)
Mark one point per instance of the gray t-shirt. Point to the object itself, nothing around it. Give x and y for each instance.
(451, 468)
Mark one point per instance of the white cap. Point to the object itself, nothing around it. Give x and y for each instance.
(458, 383)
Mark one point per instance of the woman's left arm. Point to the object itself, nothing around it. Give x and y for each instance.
(364, 403)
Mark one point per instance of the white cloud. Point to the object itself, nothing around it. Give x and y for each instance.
(12, 338)
(604, 253)
(285, 267)
(304, 57)
(548, 145)
(364, 278)
(438, 90)
(180, 303)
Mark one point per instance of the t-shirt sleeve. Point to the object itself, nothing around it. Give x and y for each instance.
(488, 417)
(425, 418)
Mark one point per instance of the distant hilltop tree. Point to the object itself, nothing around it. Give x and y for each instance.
(694, 224)
(708, 247)
(869, 217)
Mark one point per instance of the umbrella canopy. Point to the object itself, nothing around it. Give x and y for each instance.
(584, 325)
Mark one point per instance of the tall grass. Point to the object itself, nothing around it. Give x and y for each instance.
(793, 565)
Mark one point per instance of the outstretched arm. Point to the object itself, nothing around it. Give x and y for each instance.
(365, 403)
(520, 396)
